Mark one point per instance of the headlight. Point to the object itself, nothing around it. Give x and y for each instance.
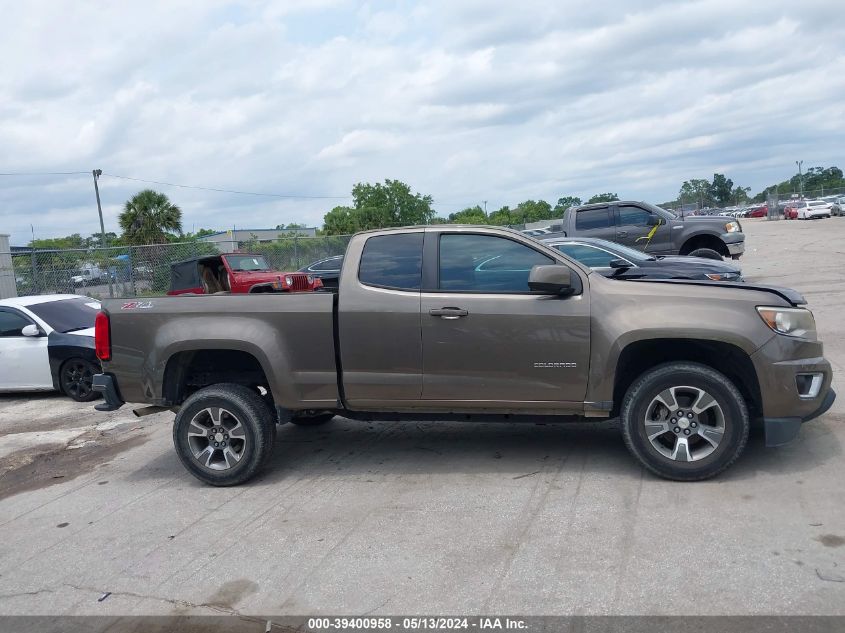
(732, 227)
(723, 276)
(796, 322)
(288, 280)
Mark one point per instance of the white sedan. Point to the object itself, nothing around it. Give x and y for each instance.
(47, 343)
(811, 209)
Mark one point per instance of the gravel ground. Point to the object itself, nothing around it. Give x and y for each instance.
(427, 518)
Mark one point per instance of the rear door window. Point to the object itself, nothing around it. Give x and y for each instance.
(589, 219)
(392, 261)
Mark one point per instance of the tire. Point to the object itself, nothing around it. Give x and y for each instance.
(236, 419)
(75, 379)
(312, 420)
(718, 432)
(708, 253)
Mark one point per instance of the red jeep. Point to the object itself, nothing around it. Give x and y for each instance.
(234, 272)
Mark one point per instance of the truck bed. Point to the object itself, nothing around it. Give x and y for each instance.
(291, 335)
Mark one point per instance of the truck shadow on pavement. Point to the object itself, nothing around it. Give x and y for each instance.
(379, 450)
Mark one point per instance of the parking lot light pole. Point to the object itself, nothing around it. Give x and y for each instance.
(800, 178)
(97, 173)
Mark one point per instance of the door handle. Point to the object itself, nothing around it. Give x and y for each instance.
(448, 313)
(621, 233)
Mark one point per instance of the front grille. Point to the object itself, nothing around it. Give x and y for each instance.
(300, 282)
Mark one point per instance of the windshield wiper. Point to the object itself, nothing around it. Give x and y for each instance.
(76, 329)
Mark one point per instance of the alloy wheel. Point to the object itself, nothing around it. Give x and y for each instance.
(684, 423)
(217, 439)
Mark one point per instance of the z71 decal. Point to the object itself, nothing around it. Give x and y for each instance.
(136, 305)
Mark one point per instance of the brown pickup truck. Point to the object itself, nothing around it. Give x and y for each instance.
(464, 323)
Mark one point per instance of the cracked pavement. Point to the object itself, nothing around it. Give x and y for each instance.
(431, 518)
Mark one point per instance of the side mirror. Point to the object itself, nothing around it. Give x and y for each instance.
(653, 220)
(30, 330)
(619, 263)
(553, 279)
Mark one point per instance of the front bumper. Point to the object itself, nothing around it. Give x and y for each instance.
(735, 242)
(778, 365)
(780, 431)
(106, 385)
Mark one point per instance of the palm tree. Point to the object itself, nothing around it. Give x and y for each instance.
(147, 217)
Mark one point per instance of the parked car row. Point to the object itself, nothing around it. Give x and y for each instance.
(808, 210)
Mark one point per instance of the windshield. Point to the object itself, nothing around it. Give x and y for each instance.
(617, 249)
(247, 262)
(67, 315)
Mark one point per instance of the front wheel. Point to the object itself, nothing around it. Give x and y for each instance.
(684, 421)
(223, 434)
(76, 377)
(707, 253)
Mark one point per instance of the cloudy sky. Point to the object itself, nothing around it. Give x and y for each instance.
(465, 100)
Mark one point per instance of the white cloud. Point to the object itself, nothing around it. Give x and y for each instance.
(467, 101)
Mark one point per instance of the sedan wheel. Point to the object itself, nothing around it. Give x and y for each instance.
(76, 378)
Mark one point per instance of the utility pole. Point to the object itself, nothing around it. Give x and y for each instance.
(800, 178)
(485, 207)
(97, 173)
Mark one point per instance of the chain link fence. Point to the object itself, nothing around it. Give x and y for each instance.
(144, 271)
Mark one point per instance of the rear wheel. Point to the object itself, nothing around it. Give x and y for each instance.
(707, 253)
(684, 421)
(76, 377)
(223, 434)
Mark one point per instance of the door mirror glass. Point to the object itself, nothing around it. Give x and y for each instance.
(31, 330)
(551, 279)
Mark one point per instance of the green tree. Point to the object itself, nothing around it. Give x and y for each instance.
(470, 215)
(148, 217)
(502, 217)
(194, 237)
(564, 203)
(603, 197)
(379, 205)
(721, 189)
(533, 211)
(697, 190)
(739, 194)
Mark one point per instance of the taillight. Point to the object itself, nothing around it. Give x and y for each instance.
(102, 336)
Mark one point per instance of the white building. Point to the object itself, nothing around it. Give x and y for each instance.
(228, 241)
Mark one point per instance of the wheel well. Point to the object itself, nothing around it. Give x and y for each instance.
(189, 371)
(704, 241)
(639, 357)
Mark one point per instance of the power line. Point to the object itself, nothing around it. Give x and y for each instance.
(45, 173)
(245, 193)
